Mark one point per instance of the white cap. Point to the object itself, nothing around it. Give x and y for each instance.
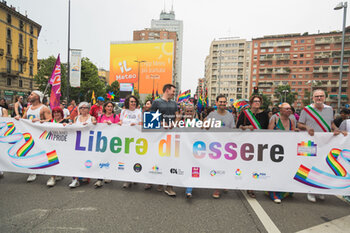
(40, 94)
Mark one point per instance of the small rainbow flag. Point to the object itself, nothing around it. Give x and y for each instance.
(184, 96)
(308, 148)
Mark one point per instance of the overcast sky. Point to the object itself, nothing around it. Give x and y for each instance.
(95, 23)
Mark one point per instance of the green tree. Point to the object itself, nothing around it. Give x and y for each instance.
(149, 97)
(266, 102)
(114, 87)
(136, 93)
(287, 96)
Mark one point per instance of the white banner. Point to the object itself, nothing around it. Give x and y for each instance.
(269, 161)
(75, 67)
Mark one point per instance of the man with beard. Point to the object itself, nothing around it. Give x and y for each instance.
(36, 112)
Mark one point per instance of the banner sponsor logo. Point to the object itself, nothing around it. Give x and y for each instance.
(54, 136)
(195, 172)
(121, 166)
(216, 172)
(238, 172)
(308, 148)
(155, 170)
(137, 167)
(176, 171)
(151, 120)
(88, 164)
(260, 175)
(104, 165)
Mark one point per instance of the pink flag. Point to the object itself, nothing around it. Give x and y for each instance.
(55, 82)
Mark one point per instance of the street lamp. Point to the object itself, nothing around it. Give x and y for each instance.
(138, 74)
(285, 95)
(341, 5)
(219, 78)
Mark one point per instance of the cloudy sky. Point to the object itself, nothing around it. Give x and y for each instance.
(95, 23)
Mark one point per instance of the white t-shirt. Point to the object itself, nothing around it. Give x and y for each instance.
(345, 125)
(128, 117)
(66, 113)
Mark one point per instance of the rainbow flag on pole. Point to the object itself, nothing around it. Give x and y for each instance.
(184, 96)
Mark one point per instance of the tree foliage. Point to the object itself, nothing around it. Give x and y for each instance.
(287, 96)
(114, 87)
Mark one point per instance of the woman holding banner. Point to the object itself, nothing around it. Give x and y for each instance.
(108, 117)
(130, 116)
(57, 117)
(253, 118)
(83, 118)
(281, 121)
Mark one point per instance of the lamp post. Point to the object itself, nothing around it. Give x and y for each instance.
(341, 5)
(138, 74)
(285, 95)
(68, 65)
(219, 78)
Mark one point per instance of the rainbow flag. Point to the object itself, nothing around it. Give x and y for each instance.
(200, 103)
(157, 95)
(184, 96)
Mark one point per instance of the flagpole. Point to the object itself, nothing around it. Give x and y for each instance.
(68, 63)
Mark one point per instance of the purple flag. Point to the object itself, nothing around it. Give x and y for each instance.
(55, 82)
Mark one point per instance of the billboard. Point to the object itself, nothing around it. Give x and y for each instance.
(152, 60)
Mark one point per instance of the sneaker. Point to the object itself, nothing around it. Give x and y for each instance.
(51, 182)
(1, 174)
(127, 185)
(75, 183)
(160, 188)
(31, 178)
(277, 201)
(311, 197)
(169, 190)
(321, 197)
(98, 183)
(216, 194)
(346, 198)
(107, 181)
(148, 186)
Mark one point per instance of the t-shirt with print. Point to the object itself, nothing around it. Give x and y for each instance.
(227, 120)
(128, 117)
(114, 118)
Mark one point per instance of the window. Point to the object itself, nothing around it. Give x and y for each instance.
(20, 83)
(31, 45)
(295, 49)
(307, 68)
(302, 41)
(296, 42)
(31, 84)
(294, 62)
(255, 52)
(302, 48)
(9, 49)
(9, 34)
(20, 41)
(8, 66)
(308, 48)
(301, 62)
(263, 50)
(271, 50)
(317, 61)
(301, 55)
(31, 70)
(9, 81)
(308, 55)
(307, 62)
(31, 56)
(287, 49)
(31, 30)
(20, 67)
(9, 18)
(21, 25)
(346, 60)
(255, 44)
(20, 53)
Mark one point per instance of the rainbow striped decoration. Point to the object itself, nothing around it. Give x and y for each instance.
(317, 178)
(21, 144)
(308, 148)
(184, 96)
(332, 162)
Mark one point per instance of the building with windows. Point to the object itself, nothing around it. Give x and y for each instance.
(227, 69)
(18, 52)
(200, 87)
(304, 62)
(103, 75)
(168, 22)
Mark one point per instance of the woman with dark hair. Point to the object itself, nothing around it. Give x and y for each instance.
(253, 118)
(57, 117)
(147, 106)
(108, 117)
(130, 116)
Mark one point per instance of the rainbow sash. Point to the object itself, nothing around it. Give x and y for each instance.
(318, 118)
(339, 162)
(22, 144)
(253, 121)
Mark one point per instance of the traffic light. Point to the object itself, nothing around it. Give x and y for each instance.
(256, 90)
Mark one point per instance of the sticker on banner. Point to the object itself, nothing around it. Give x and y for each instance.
(176, 171)
(195, 172)
(308, 148)
(121, 166)
(137, 167)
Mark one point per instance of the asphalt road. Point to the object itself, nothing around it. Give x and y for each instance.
(33, 207)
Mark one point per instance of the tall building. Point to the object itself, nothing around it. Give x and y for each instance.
(227, 69)
(103, 75)
(168, 22)
(18, 52)
(200, 87)
(304, 62)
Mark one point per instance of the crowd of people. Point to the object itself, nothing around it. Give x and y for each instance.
(317, 117)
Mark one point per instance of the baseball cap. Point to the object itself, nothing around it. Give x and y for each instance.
(100, 98)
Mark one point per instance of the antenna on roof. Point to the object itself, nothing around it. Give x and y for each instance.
(172, 5)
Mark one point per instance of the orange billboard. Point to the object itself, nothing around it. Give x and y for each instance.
(152, 60)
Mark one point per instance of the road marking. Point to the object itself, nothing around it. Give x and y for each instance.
(81, 209)
(74, 229)
(262, 215)
(340, 225)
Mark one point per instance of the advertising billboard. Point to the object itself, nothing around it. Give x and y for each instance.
(152, 60)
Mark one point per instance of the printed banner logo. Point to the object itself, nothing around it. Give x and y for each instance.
(176, 171)
(308, 148)
(238, 172)
(260, 175)
(155, 170)
(121, 166)
(195, 172)
(88, 164)
(217, 172)
(54, 136)
(137, 167)
(151, 120)
(104, 165)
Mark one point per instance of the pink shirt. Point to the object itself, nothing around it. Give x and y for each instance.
(114, 118)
